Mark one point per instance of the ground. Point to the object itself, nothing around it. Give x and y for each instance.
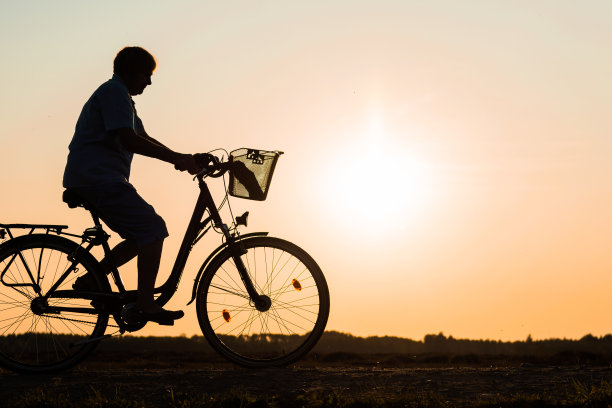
(446, 385)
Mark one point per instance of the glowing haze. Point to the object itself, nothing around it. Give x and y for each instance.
(448, 164)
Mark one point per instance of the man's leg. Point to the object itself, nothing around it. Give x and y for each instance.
(122, 253)
(128, 214)
(149, 257)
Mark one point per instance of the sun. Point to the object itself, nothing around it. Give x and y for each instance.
(379, 182)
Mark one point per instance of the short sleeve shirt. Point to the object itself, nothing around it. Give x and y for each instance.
(96, 156)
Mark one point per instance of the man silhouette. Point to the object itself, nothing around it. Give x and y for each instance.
(107, 134)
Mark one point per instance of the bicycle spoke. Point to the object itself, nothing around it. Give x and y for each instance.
(292, 305)
(224, 290)
(278, 321)
(14, 321)
(235, 286)
(15, 261)
(252, 316)
(40, 259)
(254, 278)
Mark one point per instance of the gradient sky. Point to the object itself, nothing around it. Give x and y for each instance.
(448, 164)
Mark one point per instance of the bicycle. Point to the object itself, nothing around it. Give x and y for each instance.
(260, 301)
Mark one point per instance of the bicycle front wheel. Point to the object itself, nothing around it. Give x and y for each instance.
(38, 334)
(280, 335)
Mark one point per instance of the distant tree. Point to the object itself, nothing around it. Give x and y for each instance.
(434, 338)
(588, 338)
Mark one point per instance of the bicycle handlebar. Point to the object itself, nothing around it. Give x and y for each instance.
(211, 165)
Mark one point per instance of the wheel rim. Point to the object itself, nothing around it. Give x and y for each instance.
(293, 286)
(29, 336)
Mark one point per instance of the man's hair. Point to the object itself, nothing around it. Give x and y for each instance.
(133, 60)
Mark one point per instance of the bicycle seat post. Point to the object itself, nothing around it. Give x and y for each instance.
(101, 237)
(95, 235)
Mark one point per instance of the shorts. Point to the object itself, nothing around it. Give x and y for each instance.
(121, 208)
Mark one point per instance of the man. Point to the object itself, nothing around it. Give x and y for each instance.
(108, 133)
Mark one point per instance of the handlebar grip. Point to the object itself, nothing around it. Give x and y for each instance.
(206, 160)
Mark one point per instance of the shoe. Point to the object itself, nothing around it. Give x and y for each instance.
(85, 283)
(163, 317)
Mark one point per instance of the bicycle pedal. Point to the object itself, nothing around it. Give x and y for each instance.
(130, 315)
(164, 322)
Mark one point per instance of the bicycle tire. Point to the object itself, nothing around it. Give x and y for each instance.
(33, 343)
(250, 338)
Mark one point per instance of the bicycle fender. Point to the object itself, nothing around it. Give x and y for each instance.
(212, 255)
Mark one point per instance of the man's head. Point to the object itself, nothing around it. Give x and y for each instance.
(134, 65)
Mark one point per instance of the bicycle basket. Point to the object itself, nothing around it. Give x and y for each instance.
(251, 173)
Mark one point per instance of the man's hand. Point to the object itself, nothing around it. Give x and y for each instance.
(186, 162)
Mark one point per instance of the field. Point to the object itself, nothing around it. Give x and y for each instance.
(182, 372)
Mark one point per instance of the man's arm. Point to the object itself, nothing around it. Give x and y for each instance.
(147, 146)
(149, 138)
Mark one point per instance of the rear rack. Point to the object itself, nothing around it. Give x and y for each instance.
(6, 228)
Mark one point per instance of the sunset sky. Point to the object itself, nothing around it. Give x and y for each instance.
(447, 163)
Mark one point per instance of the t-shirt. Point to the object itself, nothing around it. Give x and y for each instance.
(95, 155)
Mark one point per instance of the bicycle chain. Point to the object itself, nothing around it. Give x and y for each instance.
(77, 321)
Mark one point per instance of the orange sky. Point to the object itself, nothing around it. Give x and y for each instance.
(447, 163)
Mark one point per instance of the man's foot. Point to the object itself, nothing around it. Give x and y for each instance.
(85, 283)
(163, 316)
(155, 314)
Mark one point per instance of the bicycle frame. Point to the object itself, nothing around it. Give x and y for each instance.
(195, 231)
(192, 235)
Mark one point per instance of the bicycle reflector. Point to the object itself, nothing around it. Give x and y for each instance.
(296, 284)
(251, 173)
(226, 315)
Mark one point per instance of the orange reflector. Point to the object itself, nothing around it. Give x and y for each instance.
(226, 315)
(296, 284)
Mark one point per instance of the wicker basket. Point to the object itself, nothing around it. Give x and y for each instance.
(251, 173)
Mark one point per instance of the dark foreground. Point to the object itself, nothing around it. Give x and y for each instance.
(307, 385)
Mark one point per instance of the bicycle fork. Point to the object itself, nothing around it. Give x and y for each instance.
(260, 301)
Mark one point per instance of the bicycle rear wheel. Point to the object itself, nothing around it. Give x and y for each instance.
(33, 340)
(280, 335)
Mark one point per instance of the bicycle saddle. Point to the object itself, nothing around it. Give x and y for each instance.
(74, 200)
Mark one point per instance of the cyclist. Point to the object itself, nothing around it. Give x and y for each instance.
(108, 133)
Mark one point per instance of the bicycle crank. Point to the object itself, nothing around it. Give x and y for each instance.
(129, 320)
